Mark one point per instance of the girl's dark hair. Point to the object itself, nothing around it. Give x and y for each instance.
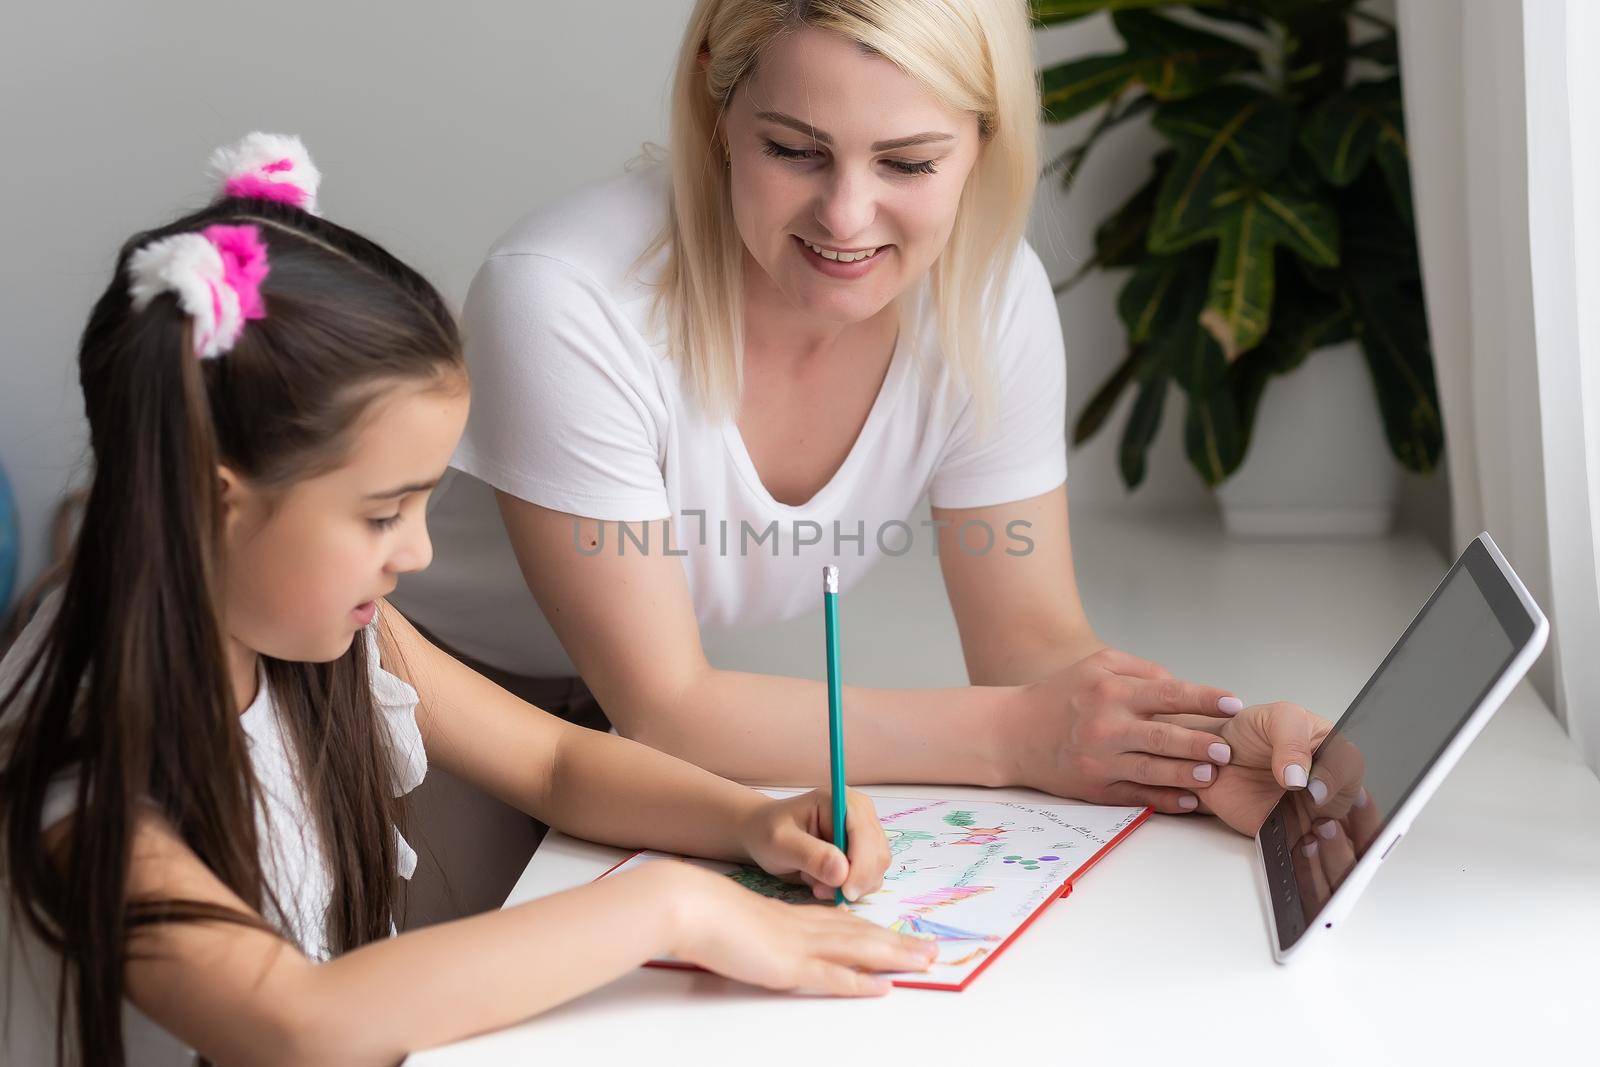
(130, 686)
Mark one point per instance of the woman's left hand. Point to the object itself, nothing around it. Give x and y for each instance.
(791, 838)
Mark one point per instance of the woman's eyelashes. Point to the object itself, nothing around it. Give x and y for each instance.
(384, 522)
(800, 155)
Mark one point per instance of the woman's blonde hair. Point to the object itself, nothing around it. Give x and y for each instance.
(973, 55)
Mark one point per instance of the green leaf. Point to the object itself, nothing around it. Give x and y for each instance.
(1342, 133)
(1393, 331)
(1384, 49)
(1249, 224)
(1170, 60)
(1225, 133)
(1051, 12)
(1137, 435)
(1098, 409)
(1160, 305)
(1247, 380)
(1304, 318)
(1212, 436)
(1143, 298)
(1067, 90)
(1396, 167)
(1245, 126)
(1316, 48)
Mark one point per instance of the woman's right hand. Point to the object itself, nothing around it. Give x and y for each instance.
(1090, 732)
(807, 948)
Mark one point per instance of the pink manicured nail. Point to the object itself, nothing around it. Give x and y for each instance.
(1230, 705)
(1219, 752)
(1310, 850)
(1318, 790)
(1188, 803)
(1326, 829)
(1294, 776)
(1204, 772)
(1361, 797)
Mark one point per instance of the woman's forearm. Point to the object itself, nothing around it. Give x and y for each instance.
(773, 730)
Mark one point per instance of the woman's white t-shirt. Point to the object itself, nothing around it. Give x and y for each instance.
(292, 859)
(577, 406)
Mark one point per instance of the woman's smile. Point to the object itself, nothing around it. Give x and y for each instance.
(844, 264)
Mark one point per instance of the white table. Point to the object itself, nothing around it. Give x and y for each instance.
(1478, 942)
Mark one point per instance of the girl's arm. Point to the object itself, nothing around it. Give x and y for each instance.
(616, 791)
(243, 996)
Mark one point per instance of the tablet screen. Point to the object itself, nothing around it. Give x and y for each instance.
(1433, 679)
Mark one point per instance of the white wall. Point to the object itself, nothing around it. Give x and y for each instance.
(435, 125)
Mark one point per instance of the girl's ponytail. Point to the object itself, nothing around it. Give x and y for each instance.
(130, 695)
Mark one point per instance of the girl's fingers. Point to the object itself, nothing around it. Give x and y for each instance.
(896, 952)
(815, 857)
(837, 980)
(1179, 742)
(1153, 770)
(1166, 800)
(1172, 697)
(818, 890)
(868, 848)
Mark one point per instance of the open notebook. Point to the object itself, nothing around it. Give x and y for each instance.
(970, 875)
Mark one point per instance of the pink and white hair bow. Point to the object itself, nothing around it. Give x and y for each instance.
(268, 166)
(216, 275)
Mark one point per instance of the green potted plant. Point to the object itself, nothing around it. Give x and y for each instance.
(1276, 223)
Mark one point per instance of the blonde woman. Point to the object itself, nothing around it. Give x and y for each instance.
(697, 383)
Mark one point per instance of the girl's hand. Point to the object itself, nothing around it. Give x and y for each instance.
(732, 931)
(1091, 731)
(791, 838)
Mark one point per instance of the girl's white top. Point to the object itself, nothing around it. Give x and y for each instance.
(577, 407)
(291, 850)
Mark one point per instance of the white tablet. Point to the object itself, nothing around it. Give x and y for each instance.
(1470, 644)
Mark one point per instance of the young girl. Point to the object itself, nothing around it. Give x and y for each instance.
(208, 732)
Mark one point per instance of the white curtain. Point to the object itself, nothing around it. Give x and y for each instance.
(1502, 105)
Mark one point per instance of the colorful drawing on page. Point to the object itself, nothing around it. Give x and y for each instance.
(944, 896)
(912, 867)
(900, 840)
(971, 834)
(917, 923)
(981, 835)
(928, 930)
(770, 885)
(970, 901)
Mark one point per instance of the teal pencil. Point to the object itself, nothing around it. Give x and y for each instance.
(830, 615)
